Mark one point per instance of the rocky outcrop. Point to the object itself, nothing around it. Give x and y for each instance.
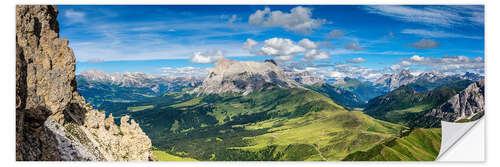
(468, 105)
(53, 122)
(229, 76)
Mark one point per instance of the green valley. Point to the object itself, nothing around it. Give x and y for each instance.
(270, 124)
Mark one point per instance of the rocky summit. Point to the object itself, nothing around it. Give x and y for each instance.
(229, 76)
(53, 122)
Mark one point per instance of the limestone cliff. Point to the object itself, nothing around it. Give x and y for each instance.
(53, 122)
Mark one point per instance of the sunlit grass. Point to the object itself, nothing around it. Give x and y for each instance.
(139, 108)
(164, 156)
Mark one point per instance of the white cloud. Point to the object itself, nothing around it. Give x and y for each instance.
(356, 60)
(358, 72)
(432, 15)
(436, 34)
(206, 57)
(425, 44)
(353, 46)
(417, 58)
(250, 43)
(339, 71)
(335, 34)
(74, 16)
(314, 54)
(298, 20)
(283, 49)
(184, 71)
(395, 67)
(95, 60)
(451, 64)
(306, 43)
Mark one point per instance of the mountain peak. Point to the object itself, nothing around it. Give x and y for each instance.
(229, 76)
(405, 72)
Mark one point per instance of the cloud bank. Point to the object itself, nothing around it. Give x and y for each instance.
(299, 19)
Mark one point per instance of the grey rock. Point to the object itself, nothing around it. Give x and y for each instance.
(468, 104)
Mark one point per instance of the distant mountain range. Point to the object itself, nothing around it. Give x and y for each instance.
(100, 88)
(404, 77)
(303, 77)
(246, 110)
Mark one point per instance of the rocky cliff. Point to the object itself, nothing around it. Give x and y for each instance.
(53, 122)
(468, 105)
(229, 76)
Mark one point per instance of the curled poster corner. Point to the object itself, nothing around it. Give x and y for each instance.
(452, 133)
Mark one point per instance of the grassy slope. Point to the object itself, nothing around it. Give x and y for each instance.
(139, 108)
(164, 156)
(276, 124)
(333, 134)
(419, 145)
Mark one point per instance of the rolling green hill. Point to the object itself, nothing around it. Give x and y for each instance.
(271, 124)
(419, 145)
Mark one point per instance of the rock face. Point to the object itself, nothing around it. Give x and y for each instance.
(303, 77)
(53, 122)
(467, 105)
(230, 76)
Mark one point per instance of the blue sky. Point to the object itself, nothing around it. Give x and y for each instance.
(331, 41)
